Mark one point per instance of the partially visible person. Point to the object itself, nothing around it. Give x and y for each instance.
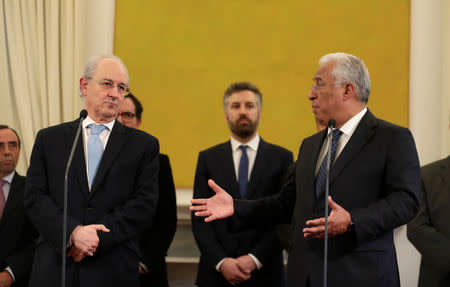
(112, 188)
(17, 234)
(429, 231)
(374, 185)
(155, 241)
(250, 168)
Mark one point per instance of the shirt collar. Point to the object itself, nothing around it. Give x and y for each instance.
(9, 177)
(252, 144)
(349, 127)
(88, 120)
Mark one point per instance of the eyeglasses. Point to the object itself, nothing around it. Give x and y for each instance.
(127, 116)
(107, 86)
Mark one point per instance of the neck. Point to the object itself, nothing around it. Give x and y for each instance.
(3, 174)
(350, 113)
(243, 140)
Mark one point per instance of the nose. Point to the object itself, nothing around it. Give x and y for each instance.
(312, 94)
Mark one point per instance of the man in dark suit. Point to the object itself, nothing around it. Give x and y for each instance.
(429, 231)
(112, 193)
(17, 234)
(374, 186)
(252, 256)
(155, 241)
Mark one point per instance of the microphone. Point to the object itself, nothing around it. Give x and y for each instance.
(331, 126)
(331, 123)
(83, 115)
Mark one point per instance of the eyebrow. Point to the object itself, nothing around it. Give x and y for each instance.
(317, 79)
(109, 80)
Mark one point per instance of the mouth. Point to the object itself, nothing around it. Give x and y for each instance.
(315, 109)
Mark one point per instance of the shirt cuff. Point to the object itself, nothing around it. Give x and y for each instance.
(144, 267)
(257, 262)
(10, 272)
(220, 263)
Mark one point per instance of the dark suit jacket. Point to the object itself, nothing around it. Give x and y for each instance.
(223, 238)
(377, 179)
(155, 241)
(123, 198)
(429, 231)
(17, 234)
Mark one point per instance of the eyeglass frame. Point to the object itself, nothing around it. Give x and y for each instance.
(105, 86)
(128, 116)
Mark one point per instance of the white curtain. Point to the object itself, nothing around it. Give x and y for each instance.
(43, 47)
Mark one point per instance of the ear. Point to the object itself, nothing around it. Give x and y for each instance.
(83, 85)
(349, 91)
(139, 123)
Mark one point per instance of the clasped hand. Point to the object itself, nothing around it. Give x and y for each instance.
(85, 241)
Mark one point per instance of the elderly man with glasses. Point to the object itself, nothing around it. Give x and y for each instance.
(112, 188)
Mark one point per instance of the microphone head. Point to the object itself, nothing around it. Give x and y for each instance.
(83, 114)
(332, 123)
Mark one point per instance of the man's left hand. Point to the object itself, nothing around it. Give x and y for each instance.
(76, 254)
(338, 222)
(246, 264)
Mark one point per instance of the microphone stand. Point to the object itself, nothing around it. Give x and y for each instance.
(331, 125)
(83, 115)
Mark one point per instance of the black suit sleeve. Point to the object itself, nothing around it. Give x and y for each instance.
(42, 209)
(432, 244)
(127, 220)
(204, 234)
(400, 200)
(269, 243)
(156, 241)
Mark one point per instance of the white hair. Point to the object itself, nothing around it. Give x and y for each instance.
(351, 69)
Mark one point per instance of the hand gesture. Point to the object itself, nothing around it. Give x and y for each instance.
(338, 222)
(217, 207)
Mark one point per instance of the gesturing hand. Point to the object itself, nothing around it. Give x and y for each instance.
(338, 222)
(217, 207)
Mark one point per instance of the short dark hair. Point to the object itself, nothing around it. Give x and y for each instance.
(4, 127)
(137, 104)
(238, 87)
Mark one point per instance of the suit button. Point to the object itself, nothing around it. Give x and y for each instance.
(89, 208)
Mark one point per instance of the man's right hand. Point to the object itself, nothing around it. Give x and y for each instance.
(230, 270)
(85, 239)
(217, 207)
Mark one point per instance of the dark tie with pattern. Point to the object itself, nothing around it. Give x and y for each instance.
(243, 172)
(322, 173)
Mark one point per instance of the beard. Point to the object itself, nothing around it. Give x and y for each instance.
(243, 129)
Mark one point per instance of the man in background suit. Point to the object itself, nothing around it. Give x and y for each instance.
(429, 231)
(155, 241)
(374, 186)
(250, 168)
(17, 234)
(112, 192)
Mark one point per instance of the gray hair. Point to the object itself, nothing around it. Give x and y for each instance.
(239, 87)
(92, 63)
(351, 69)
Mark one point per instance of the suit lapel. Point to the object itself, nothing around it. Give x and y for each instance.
(78, 167)
(310, 160)
(15, 198)
(115, 143)
(444, 174)
(363, 133)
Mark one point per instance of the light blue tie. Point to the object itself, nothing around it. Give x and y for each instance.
(95, 151)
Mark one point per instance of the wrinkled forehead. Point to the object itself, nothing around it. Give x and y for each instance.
(110, 69)
(8, 136)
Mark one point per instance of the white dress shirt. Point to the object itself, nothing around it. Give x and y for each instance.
(347, 131)
(104, 136)
(252, 149)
